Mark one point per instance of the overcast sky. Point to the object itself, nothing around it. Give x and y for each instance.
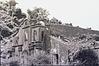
(83, 13)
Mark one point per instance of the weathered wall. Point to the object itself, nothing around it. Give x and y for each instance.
(59, 47)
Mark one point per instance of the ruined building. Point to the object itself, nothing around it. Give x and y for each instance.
(38, 42)
(38, 38)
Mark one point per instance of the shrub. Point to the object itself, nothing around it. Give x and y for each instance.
(87, 57)
(14, 63)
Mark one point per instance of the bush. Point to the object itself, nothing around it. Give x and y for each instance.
(86, 57)
(42, 59)
(14, 63)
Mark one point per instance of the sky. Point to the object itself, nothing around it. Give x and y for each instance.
(83, 13)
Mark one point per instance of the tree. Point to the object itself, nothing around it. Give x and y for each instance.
(4, 6)
(87, 57)
(39, 14)
(6, 33)
(18, 13)
(55, 21)
(8, 22)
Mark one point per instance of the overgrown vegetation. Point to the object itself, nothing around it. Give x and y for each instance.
(14, 64)
(12, 20)
(86, 57)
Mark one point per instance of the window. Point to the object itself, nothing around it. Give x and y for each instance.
(26, 36)
(42, 35)
(34, 35)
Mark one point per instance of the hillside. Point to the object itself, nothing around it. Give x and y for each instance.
(70, 31)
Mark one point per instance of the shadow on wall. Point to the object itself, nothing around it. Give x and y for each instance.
(86, 57)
